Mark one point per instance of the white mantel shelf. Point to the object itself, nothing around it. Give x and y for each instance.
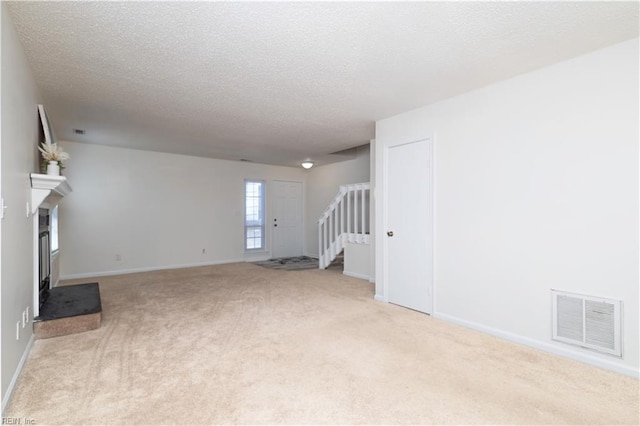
(47, 190)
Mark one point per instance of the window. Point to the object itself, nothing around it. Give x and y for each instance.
(54, 229)
(254, 215)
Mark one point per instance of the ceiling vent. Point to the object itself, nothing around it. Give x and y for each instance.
(78, 131)
(590, 322)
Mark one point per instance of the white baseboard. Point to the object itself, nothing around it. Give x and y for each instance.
(152, 268)
(379, 298)
(248, 259)
(16, 374)
(543, 346)
(356, 275)
(161, 268)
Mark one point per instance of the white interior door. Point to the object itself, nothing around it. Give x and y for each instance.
(286, 221)
(410, 225)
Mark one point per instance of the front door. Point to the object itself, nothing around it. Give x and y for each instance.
(286, 222)
(410, 225)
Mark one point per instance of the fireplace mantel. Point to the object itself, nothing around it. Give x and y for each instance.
(47, 190)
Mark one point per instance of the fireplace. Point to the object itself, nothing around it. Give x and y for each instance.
(44, 255)
(46, 192)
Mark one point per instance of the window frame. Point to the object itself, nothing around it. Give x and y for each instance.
(262, 219)
(54, 233)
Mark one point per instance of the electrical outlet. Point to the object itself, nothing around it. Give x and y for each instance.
(18, 331)
(118, 258)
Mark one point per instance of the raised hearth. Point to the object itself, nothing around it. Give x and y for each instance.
(68, 310)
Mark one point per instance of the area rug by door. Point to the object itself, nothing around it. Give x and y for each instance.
(290, 263)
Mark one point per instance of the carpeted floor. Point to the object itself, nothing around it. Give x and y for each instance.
(238, 343)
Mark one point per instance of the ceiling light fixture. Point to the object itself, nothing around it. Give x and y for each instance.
(307, 164)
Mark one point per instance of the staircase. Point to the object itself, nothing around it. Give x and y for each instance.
(346, 220)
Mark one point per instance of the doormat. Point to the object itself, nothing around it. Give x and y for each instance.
(290, 263)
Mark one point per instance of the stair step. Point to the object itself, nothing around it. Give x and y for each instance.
(69, 310)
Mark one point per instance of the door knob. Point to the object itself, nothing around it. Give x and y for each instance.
(390, 233)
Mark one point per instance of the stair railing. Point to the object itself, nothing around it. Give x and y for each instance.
(346, 220)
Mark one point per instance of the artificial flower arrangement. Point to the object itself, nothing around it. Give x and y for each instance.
(53, 153)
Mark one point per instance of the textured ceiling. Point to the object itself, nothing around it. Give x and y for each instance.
(282, 82)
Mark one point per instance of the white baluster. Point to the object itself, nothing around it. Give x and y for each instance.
(349, 212)
(335, 229)
(326, 242)
(354, 215)
(362, 228)
(333, 243)
(342, 218)
(320, 251)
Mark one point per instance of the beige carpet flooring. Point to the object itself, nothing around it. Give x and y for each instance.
(243, 344)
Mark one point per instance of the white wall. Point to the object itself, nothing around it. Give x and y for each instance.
(323, 184)
(155, 210)
(19, 136)
(536, 188)
(357, 261)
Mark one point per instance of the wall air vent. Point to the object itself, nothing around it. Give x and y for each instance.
(591, 322)
(78, 131)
